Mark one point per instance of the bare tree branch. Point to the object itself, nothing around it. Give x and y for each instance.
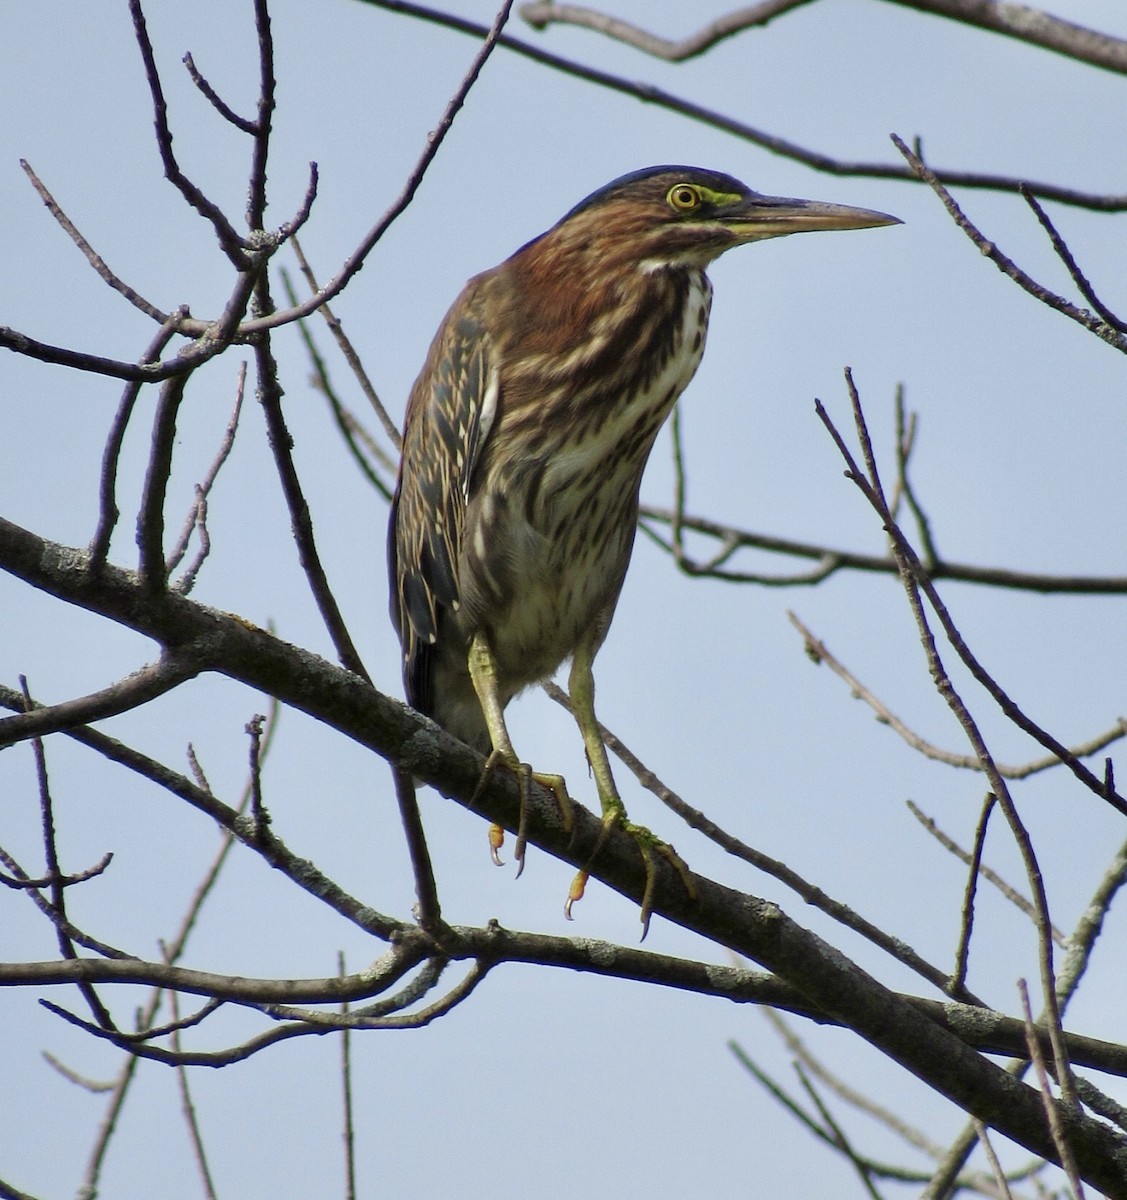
(973, 859)
(1095, 324)
(349, 352)
(229, 240)
(916, 584)
(92, 257)
(819, 653)
(831, 560)
(1017, 21)
(143, 685)
(650, 94)
(301, 520)
(541, 15)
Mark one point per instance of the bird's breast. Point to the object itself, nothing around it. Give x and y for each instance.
(612, 422)
(553, 526)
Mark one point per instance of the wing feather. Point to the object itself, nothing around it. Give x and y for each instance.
(449, 417)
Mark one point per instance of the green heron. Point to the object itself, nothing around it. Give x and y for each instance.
(526, 436)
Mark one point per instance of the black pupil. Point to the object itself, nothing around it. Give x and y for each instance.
(685, 196)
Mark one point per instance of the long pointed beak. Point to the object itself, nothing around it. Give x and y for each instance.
(759, 217)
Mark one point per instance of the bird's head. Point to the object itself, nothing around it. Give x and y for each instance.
(687, 216)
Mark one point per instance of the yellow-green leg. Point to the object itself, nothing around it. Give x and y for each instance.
(483, 673)
(581, 686)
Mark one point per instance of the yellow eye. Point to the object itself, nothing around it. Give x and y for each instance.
(683, 197)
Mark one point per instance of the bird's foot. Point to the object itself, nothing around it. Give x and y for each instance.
(649, 845)
(526, 776)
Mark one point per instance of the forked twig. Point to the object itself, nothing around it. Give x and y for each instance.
(916, 584)
(820, 653)
(1095, 324)
(973, 859)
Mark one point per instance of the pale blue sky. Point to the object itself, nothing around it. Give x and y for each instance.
(550, 1084)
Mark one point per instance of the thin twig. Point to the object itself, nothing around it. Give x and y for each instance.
(94, 1086)
(350, 428)
(196, 518)
(778, 1093)
(267, 87)
(649, 94)
(1060, 1139)
(831, 559)
(1066, 257)
(258, 815)
(348, 350)
(913, 571)
(272, 849)
(187, 1106)
(111, 455)
(213, 97)
(429, 910)
(907, 427)
(915, 583)
(229, 240)
(983, 1135)
(348, 1133)
(1088, 928)
(55, 888)
(18, 884)
(172, 951)
(840, 1141)
(541, 15)
(150, 519)
(301, 521)
(1090, 321)
(124, 695)
(886, 1116)
(434, 141)
(1013, 20)
(92, 256)
(973, 860)
(819, 653)
(65, 927)
(1080, 945)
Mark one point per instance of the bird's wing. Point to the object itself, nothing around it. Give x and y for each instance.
(449, 416)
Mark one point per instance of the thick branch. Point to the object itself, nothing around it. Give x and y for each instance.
(751, 927)
(987, 1031)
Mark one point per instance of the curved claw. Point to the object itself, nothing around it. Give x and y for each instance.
(496, 841)
(525, 776)
(648, 845)
(575, 892)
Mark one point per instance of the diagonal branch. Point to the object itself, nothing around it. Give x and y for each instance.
(649, 94)
(168, 672)
(761, 931)
(229, 240)
(92, 256)
(1095, 324)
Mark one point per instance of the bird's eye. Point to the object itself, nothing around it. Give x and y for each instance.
(683, 197)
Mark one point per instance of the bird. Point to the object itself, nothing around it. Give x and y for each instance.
(526, 436)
